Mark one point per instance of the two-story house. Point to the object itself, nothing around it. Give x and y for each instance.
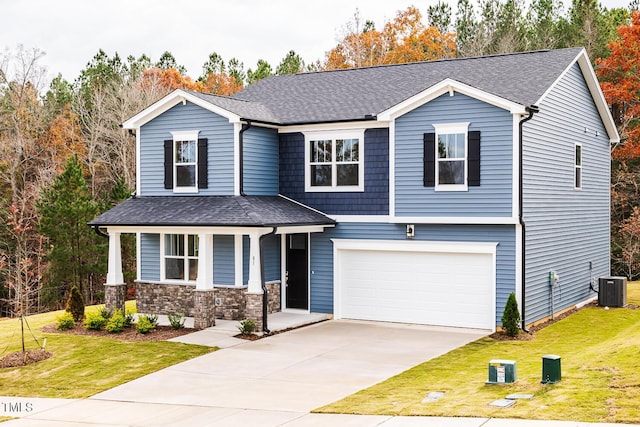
(419, 193)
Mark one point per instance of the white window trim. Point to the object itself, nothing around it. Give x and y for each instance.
(333, 135)
(189, 135)
(186, 257)
(446, 128)
(577, 167)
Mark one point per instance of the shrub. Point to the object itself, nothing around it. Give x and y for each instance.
(176, 320)
(95, 321)
(116, 323)
(511, 316)
(105, 312)
(153, 318)
(128, 319)
(145, 324)
(75, 304)
(247, 326)
(65, 321)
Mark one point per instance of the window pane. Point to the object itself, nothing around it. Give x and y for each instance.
(451, 146)
(174, 268)
(347, 174)
(174, 244)
(320, 175)
(321, 151)
(193, 269)
(347, 150)
(193, 245)
(185, 151)
(186, 176)
(451, 172)
(578, 155)
(578, 177)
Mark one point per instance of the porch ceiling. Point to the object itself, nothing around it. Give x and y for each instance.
(211, 211)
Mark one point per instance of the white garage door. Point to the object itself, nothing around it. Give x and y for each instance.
(415, 282)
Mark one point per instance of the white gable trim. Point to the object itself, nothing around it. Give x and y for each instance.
(596, 93)
(170, 101)
(448, 86)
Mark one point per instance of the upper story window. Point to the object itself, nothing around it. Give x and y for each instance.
(452, 157)
(334, 161)
(185, 162)
(180, 257)
(578, 167)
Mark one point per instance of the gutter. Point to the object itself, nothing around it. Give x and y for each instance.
(99, 232)
(245, 127)
(531, 110)
(265, 293)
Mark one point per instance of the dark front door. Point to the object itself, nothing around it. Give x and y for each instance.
(297, 274)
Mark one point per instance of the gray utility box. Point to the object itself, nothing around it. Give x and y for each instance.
(612, 291)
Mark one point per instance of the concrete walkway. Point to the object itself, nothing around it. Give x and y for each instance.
(270, 382)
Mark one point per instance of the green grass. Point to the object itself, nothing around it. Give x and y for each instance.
(600, 352)
(82, 365)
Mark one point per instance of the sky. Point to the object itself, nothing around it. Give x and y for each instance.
(71, 32)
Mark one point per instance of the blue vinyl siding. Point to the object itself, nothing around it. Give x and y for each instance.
(149, 257)
(261, 162)
(373, 201)
(223, 260)
(494, 195)
(322, 253)
(565, 228)
(216, 129)
(272, 265)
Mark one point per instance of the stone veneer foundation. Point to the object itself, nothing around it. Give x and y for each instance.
(221, 302)
(115, 296)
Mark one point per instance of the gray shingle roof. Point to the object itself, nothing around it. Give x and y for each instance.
(354, 93)
(210, 211)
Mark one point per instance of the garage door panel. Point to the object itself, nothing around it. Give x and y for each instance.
(453, 289)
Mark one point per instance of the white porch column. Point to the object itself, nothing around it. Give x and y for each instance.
(255, 279)
(205, 262)
(114, 266)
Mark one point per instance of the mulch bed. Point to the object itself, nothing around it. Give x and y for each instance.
(160, 333)
(18, 358)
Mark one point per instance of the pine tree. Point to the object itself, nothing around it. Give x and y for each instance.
(65, 208)
(511, 316)
(75, 304)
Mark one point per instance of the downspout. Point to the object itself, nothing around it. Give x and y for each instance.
(531, 110)
(245, 127)
(265, 293)
(99, 232)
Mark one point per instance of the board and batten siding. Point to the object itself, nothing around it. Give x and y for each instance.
(566, 229)
(322, 253)
(149, 257)
(374, 200)
(261, 162)
(215, 128)
(493, 198)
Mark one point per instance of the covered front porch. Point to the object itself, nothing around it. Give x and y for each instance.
(206, 257)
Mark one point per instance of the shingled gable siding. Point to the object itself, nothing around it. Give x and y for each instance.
(322, 253)
(373, 201)
(216, 129)
(261, 162)
(566, 228)
(492, 198)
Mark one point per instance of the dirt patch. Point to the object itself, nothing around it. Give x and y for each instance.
(160, 333)
(19, 358)
(523, 336)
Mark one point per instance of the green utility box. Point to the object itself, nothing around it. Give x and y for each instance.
(502, 371)
(551, 369)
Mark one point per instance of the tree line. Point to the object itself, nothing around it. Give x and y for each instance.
(64, 157)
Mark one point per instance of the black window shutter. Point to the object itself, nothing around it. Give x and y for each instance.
(203, 178)
(474, 158)
(429, 159)
(168, 164)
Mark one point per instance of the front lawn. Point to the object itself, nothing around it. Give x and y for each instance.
(600, 351)
(82, 366)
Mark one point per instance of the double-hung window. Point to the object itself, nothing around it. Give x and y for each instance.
(180, 257)
(334, 161)
(185, 158)
(578, 167)
(451, 156)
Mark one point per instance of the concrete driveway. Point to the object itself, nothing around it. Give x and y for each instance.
(271, 381)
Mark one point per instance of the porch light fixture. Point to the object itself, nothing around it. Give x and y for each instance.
(410, 231)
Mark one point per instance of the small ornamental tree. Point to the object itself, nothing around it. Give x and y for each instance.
(511, 316)
(75, 304)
